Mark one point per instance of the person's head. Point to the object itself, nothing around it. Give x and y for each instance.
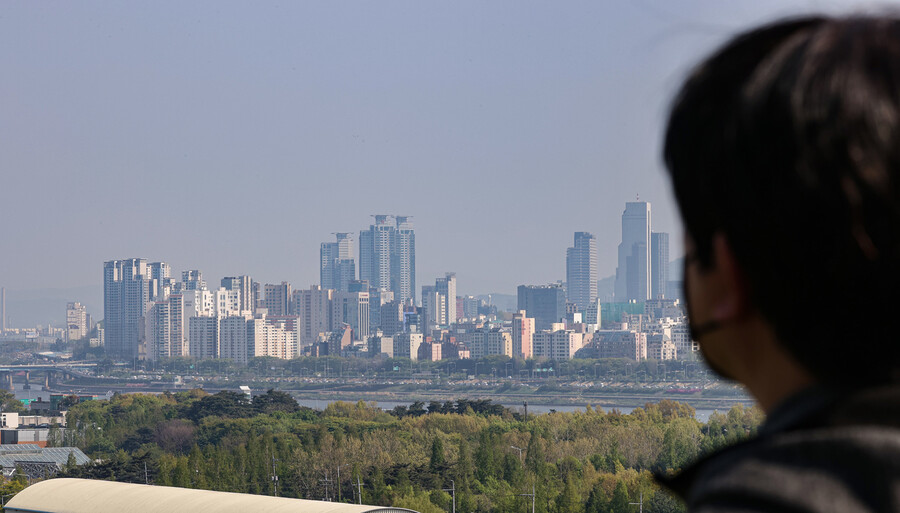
(784, 153)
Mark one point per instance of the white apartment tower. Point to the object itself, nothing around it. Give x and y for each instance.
(244, 285)
(164, 329)
(76, 321)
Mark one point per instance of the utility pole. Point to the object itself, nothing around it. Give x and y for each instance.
(146, 474)
(532, 495)
(358, 490)
(452, 491)
(641, 504)
(326, 481)
(274, 476)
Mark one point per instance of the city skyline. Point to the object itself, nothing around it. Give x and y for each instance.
(116, 142)
(337, 272)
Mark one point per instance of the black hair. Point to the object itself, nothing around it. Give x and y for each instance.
(787, 142)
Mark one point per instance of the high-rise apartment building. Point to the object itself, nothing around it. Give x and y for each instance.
(351, 308)
(243, 284)
(659, 265)
(403, 260)
(269, 337)
(128, 288)
(439, 302)
(522, 335)
(337, 267)
(581, 270)
(592, 316)
(546, 304)
(164, 328)
(434, 307)
(633, 271)
(392, 319)
(314, 311)
(192, 280)
(557, 343)
(446, 287)
(406, 345)
(77, 324)
(203, 337)
(377, 299)
(387, 256)
(161, 283)
(233, 339)
(277, 299)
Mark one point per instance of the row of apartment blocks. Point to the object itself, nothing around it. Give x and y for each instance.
(242, 319)
(659, 333)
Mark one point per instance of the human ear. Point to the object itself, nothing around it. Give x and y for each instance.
(731, 301)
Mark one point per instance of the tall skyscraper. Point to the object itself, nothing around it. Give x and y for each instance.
(659, 265)
(337, 267)
(546, 304)
(375, 253)
(128, 289)
(387, 256)
(403, 260)
(633, 272)
(3, 321)
(581, 270)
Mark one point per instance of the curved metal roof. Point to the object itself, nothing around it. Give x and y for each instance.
(68, 495)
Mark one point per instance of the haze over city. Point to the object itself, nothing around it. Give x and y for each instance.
(231, 139)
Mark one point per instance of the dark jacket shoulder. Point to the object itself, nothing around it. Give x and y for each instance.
(842, 456)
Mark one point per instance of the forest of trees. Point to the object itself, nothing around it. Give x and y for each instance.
(583, 462)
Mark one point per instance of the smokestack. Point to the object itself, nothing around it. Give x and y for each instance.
(2, 309)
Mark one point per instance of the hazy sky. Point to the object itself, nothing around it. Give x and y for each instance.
(234, 137)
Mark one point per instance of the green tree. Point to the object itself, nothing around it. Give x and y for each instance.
(9, 402)
(275, 400)
(569, 501)
(619, 501)
(597, 501)
(437, 461)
